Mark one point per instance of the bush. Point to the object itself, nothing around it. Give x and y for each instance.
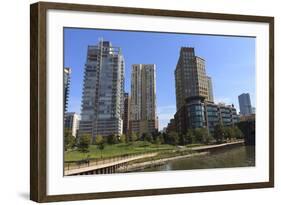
(112, 139)
(69, 140)
(147, 137)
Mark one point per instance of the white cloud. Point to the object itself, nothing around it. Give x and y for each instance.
(223, 100)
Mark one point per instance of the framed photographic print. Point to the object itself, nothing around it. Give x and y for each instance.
(136, 102)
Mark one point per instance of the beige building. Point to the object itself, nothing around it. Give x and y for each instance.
(143, 118)
(191, 78)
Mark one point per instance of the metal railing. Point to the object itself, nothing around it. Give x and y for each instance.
(70, 165)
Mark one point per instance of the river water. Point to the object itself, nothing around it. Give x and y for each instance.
(239, 156)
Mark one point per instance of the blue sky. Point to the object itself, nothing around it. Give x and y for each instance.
(230, 61)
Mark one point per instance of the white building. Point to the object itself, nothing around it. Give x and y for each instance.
(71, 121)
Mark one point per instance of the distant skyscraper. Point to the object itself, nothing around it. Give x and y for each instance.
(72, 122)
(143, 117)
(191, 79)
(245, 104)
(210, 89)
(126, 113)
(66, 82)
(103, 91)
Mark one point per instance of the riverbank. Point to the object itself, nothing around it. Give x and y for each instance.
(169, 156)
(154, 163)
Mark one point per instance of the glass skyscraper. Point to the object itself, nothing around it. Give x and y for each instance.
(245, 104)
(103, 91)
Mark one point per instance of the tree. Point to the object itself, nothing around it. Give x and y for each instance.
(155, 134)
(229, 133)
(84, 143)
(122, 138)
(99, 141)
(219, 133)
(165, 138)
(238, 133)
(157, 140)
(147, 137)
(209, 139)
(201, 135)
(69, 140)
(134, 137)
(173, 138)
(189, 136)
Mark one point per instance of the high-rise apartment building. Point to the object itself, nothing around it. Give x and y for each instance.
(103, 91)
(71, 122)
(66, 82)
(245, 104)
(143, 117)
(191, 78)
(126, 113)
(194, 96)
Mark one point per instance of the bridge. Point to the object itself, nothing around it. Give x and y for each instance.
(105, 166)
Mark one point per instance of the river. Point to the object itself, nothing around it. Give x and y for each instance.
(238, 156)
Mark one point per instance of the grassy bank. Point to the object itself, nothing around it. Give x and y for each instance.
(116, 150)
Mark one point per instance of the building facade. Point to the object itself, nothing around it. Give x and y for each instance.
(171, 127)
(245, 104)
(143, 118)
(71, 122)
(191, 78)
(103, 91)
(126, 113)
(66, 82)
(199, 113)
(210, 89)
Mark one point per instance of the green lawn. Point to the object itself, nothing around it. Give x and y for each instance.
(115, 150)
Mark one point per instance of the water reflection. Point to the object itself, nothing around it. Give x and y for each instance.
(241, 156)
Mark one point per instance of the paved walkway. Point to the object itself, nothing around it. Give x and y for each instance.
(109, 164)
(201, 148)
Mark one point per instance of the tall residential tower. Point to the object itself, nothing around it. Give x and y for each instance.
(103, 91)
(143, 118)
(191, 78)
(194, 96)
